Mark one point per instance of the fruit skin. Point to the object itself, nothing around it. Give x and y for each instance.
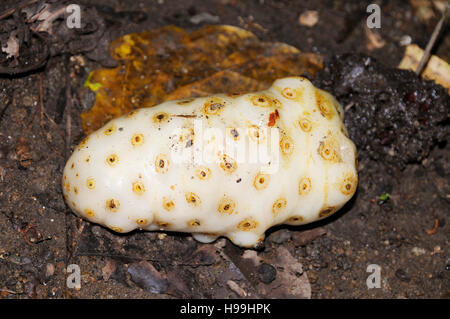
(130, 173)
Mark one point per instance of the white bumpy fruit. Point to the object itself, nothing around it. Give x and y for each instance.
(225, 165)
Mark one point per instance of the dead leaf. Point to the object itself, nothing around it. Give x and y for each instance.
(12, 46)
(423, 9)
(291, 280)
(108, 269)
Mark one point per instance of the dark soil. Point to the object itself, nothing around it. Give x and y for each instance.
(400, 124)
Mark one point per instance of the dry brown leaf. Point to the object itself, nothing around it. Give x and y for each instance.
(171, 63)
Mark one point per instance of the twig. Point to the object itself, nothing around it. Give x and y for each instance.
(10, 11)
(348, 106)
(8, 291)
(430, 44)
(24, 232)
(435, 227)
(68, 110)
(43, 113)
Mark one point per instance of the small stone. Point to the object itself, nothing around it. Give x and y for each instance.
(280, 236)
(27, 101)
(49, 270)
(418, 251)
(312, 276)
(162, 236)
(405, 40)
(204, 17)
(266, 273)
(308, 18)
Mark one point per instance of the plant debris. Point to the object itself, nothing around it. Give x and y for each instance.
(396, 117)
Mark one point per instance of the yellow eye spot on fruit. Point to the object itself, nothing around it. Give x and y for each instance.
(142, 221)
(228, 164)
(90, 183)
(162, 224)
(168, 204)
(87, 159)
(137, 139)
(279, 205)
(304, 186)
(138, 188)
(83, 143)
(287, 145)
(161, 163)
(203, 172)
(261, 181)
(72, 166)
(160, 117)
(193, 199)
(348, 185)
(328, 150)
(324, 105)
(247, 224)
(295, 219)
(289, 93)
(327, 212)
(263, 100)
(194, 223)
(89, 213)
(213, 106)
(116, 229)
(112, 160)
(75, 190)
(67, 187)
(110, 129)
(226, 206)
(256, 133)
(112, 205)
(305, 124)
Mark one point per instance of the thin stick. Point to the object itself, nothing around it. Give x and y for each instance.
(44, 115)
(68, 110)
(434, 35)
(10, 11)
